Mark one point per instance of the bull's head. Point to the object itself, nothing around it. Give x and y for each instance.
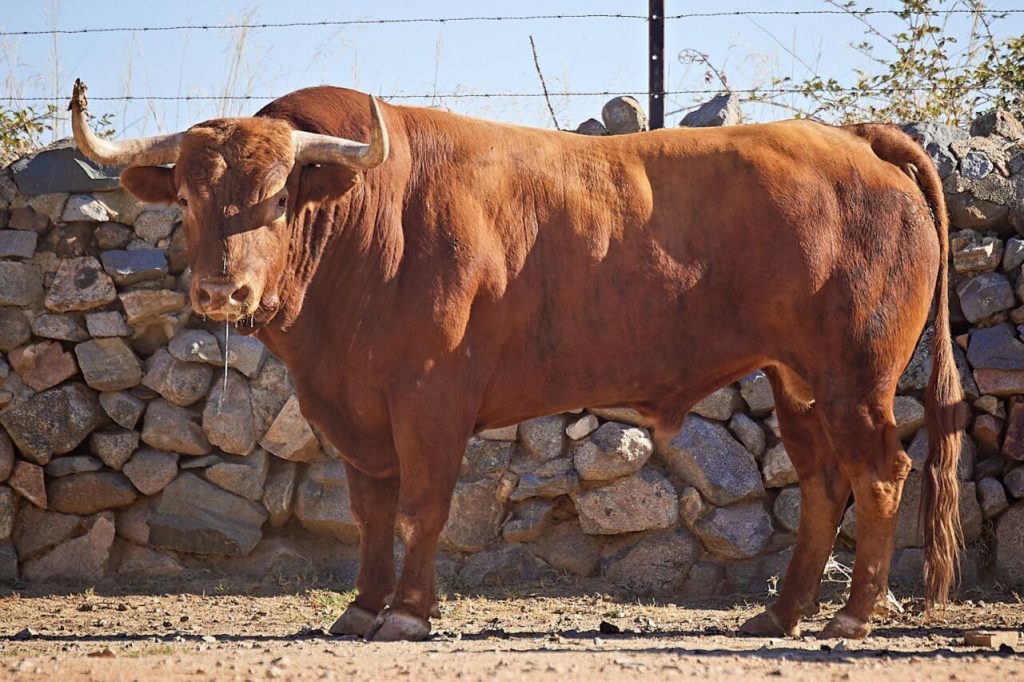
(231, 179)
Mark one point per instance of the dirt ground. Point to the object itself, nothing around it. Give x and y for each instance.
(213, 630)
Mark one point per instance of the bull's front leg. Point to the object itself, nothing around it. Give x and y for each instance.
(430, 444)
(374, 501)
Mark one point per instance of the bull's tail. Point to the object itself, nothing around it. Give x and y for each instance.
(939, 512)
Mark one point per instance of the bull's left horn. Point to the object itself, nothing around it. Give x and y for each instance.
(143, 151)
(313, 148)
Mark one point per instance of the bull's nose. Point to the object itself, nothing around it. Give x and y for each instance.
(220, 298)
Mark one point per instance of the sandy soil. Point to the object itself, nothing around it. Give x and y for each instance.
(213, 630)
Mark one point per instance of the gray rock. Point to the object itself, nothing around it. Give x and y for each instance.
(757, 393)
(592, 127)
(156, 224)
(1014, 482)
(150, 471)
(25, 218)
(8, 564)
(196, 345)
(290, 436)
(582, 427)
(181, 383)
(323, 506)
(567, 548)
(1013, 254)
(970, 213)
(108, 364)
(475, 517)
(703, 580)
(6, 456)
(243, 476)
(110, 236)
(133, 522)
(90, 492)
(739, 531)
(542, 440)
(691, 506)
(757, 575)
(271, 389)
(7, 501)
(705, 456)
(107, 324)
(787, 508)
(995, 347)
(14, 329)
(227, 418)
(944, 160)
(149, 563)
(132, 267)
(145, 305)
(81, 559)
(85, 208)
(777, 468)
(53, 422)
(614, 450)
(643, 501)
(61, 167)
(510, 565)
(928, 132)
(623, 115)
(504, 433)
(80, 284)
(245, 353)
(909, 533)
(747, 431)
(991, 497)
(984, 295)
(66, 327)
(18, 244)
(918, 452)
(486, 457)
(719, 405)
(1009, 559)
(975, 165)
(124, 408)
(554, 485)
(915, 376)
(174, 429)
(279, 491)
(529, 519)
(72, 464)
(37, 530)
(722, 110)
(909, 413)
(657, 564)
(197, 517)
(21, 284)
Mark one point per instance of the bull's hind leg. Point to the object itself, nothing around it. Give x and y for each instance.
(870, 453)
(824, 490)
(374, 501)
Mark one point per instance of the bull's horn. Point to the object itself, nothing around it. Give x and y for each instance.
(143, 151)
(311, 148)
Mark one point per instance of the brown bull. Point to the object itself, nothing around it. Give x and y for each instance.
(453, 275)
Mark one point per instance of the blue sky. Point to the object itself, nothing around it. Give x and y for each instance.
(467, 58)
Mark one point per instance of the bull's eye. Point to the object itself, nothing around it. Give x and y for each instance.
(282, 202)
(183, 202)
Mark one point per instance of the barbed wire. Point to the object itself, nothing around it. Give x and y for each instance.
(510, 18)
(496, 95)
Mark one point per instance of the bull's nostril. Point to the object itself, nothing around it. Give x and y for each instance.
(241, 294)
(203, 298)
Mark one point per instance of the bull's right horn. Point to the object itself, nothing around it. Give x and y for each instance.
(143, 151)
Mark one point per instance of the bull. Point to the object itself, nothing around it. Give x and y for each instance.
(451, 275)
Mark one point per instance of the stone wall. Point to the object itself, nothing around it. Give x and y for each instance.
(138, 440)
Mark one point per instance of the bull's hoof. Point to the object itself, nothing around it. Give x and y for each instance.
(765, 624)
(355, 621)
(843, 626)
(394, 626)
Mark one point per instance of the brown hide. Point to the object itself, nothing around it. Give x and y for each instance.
(488, 273)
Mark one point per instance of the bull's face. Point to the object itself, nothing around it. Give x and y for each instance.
(232, 180)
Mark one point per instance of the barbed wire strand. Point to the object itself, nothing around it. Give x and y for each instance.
(489, 95)
(467, 19)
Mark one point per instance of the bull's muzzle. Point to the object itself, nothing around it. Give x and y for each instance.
(222, 300)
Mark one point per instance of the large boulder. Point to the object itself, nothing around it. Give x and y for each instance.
(181, 383)
(1009, 560)
(612, 451)
(150, 471)
(705, 455)
(80, 284)
(323, 504)
(62, 168)
(43, 365)
(722, 110)
(658, 563)
(174, 429)
(643, 501)
(623, 115)
(475, 516)
(739, 531)
(90, 492)
(195, 516)
(21, 284)
(228, 418)
(108, 364)
(53, 422)
(81, 559)
(290, 436)
(243, 476)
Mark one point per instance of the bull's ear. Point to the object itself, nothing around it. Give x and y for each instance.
(151, 184)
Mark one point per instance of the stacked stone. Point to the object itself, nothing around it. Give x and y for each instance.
(126, 447)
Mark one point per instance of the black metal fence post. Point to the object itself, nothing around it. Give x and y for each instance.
(656, 40)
